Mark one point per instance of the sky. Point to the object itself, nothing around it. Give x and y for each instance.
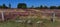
(29, 3)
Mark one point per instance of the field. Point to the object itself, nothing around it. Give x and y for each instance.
(43, 18)
(46, 23)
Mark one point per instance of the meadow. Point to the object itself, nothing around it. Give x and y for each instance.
(38, 18)
(45, 23)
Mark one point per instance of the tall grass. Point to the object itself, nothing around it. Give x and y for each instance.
(46, 23)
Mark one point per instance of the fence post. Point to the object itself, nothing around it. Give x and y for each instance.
(53, 17)
(2, 16)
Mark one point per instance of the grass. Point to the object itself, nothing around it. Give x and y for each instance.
(8, 24)
(46, 23)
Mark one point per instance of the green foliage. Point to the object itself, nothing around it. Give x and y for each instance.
(45, 7)
(24, 5)
(17, 18)
(41, 7)
(58, 7)
(53, 7)
(9, 5)
(4, 6)
(32, 6)
(21, 5)
(0, 6)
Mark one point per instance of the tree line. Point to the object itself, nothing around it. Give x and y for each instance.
(24, 5)
(4, 6)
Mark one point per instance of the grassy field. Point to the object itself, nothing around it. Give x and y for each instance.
(46, 23)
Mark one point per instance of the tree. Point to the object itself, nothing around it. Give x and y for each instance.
(58, 7)
(31, 6)
(45, 7)
(9, 5)
(0, 6)
(4, 6)
(21, 5)
(37, 7)
(41, 7)
(53, 7)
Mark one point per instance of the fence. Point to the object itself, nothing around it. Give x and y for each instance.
(34, 19)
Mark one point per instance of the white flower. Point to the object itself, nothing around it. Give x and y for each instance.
(39, 21)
